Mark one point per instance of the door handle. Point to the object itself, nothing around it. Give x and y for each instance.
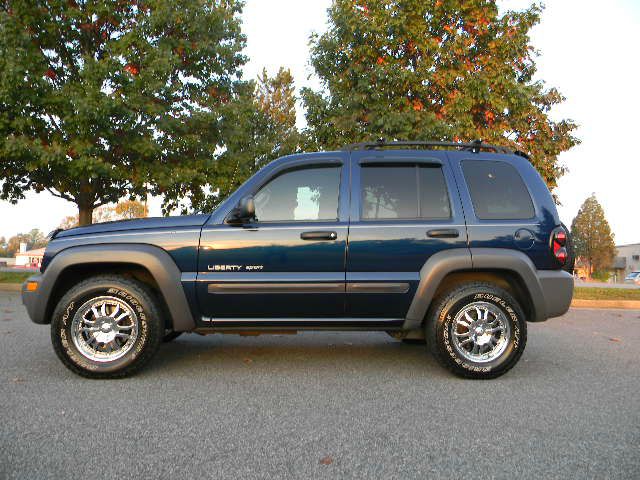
(319, 235)
(443, 233)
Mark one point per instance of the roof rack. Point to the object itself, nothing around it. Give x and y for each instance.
(474, 146)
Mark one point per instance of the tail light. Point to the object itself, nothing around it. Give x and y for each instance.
(559, 240)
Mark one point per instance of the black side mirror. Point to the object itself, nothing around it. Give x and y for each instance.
(244, 212)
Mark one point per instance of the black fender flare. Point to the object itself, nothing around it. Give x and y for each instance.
(439, 265)
(157, 261)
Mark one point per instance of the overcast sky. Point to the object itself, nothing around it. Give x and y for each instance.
(589, 52)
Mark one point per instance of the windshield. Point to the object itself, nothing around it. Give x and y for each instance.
(633, 275)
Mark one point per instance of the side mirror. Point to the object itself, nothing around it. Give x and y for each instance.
(244, 212)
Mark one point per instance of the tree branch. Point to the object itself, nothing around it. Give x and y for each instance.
(60, 195)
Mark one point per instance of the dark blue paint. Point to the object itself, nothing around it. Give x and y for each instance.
(364, 250)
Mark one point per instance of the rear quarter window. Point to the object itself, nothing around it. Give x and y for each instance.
(497, 190)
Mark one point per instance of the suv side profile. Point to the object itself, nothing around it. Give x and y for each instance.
(457, 245)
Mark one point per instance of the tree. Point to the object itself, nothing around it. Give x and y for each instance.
(129, 209)
(100, 100)
(592, 237)
(34, 239)
(258, 126)
(433, 69)
(124, 210)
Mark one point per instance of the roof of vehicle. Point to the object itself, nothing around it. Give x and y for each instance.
(475, 146)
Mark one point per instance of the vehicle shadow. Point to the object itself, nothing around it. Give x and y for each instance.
(305, 352)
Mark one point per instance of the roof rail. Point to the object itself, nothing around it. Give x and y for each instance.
(474, 146)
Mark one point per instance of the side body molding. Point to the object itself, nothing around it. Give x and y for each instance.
(158, 262)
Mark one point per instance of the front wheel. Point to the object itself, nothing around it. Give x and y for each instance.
(477, 330)
(107, 327)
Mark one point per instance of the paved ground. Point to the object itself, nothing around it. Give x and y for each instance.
(326, 405)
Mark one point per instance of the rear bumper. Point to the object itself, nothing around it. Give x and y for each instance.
(557, 290)
(30, 299)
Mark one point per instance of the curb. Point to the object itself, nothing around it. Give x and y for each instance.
(623, 304)
(10, 287)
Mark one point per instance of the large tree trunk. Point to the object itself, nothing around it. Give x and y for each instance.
(85, 204)
(85, 215)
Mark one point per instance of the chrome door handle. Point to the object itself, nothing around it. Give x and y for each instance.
(443, 233)
(319, 235)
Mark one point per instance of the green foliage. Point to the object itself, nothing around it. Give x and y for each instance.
(100, 100)
(591, 293)
(592, 237)
(14, 277)
(601, 275)
(34, 239)
(433, 69)
(258, 126)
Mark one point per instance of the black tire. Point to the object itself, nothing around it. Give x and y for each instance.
(440, 323)
(170, 335)
(132, 294)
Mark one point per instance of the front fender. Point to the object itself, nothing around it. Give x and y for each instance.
(158, 262)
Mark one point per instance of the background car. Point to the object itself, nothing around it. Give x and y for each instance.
(633, 277)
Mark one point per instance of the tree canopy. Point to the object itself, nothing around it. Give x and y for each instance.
(100, 100)
(592, 237)
(436, 70)
(258, 125)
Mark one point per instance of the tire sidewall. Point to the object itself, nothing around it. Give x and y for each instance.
(68, 307)
(510, 310)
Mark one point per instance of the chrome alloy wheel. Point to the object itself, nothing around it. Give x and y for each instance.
(480, 332)
(104, 329)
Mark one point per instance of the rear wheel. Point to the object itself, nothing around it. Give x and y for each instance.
(477, 330)
(107, 327)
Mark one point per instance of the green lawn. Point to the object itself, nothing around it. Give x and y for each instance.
(586, 293)
(14, 277)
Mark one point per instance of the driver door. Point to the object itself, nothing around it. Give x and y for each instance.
(289, 262)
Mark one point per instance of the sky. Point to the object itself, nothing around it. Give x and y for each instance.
(588, 50)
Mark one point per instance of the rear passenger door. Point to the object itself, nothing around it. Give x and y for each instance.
(404, 209)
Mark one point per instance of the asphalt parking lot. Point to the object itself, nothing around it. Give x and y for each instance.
(326, 405)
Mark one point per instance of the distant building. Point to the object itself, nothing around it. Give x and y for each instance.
(29, 258)
(7, 261)
(627, 260)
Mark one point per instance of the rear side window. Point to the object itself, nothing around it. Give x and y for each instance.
(403, 191)
(497, 190)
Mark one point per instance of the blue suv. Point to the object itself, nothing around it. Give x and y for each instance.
(454, 245)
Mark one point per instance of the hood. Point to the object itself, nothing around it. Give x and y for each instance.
(137, 224)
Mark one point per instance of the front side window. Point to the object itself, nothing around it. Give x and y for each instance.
(497, 190)
(404, 191)
(300, 195)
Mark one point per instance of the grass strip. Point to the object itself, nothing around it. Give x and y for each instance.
(588, 293)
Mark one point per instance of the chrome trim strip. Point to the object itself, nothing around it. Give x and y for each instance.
(262, 288)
